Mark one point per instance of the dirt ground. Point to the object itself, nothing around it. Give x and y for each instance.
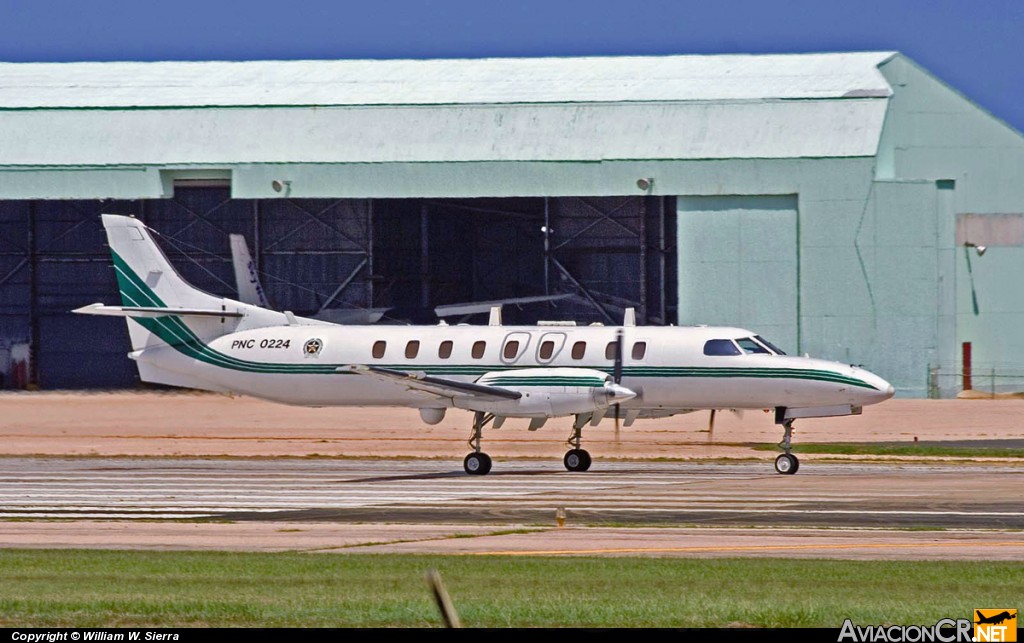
(840, 544)
(199, 424)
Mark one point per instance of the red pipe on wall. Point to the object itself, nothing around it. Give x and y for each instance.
(968, 385)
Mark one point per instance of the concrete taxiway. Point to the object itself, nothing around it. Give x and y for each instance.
(844, 510)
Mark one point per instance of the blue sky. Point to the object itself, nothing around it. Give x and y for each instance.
(974, 46)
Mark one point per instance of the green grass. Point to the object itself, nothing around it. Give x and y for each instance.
(900, 450)
(45, 588)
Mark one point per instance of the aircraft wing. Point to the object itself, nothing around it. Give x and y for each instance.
(351, 316)
(374, 315)
(442, 387)
(475, 307)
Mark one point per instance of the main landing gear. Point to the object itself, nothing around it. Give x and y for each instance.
(787, 463)
(478, 463)
(577, 459)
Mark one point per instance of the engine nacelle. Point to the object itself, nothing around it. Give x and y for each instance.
(552, 392)
(432, 416)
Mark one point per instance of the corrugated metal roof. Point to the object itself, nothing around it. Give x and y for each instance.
(590, 132)
(439, 111)
(432, 82)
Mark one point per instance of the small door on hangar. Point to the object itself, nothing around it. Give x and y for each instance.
(738, 264)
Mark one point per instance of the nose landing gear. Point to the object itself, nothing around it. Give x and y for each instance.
(787, 463)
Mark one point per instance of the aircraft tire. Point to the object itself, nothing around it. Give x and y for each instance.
(577, 460)
(787, 464)
(477, 464)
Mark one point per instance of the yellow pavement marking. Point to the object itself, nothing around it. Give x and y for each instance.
(734, 548)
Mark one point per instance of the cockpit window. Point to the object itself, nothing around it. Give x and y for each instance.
(775, 349)
(720, 347)
(750, 346)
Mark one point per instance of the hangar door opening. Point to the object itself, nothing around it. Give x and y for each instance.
(739, 264)
(595, 256)
(571, 258)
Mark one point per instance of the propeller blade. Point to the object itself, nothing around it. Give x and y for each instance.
(617, 376)
(617, 369)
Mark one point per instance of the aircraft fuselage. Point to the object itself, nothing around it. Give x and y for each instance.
(666, 366)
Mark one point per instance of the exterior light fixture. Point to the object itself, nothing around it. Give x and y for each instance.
(979, 249)
(970, 270)
(281, 186)
(645, 184)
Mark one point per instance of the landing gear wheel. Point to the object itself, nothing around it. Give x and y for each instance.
(477, 464)
(577, 460)
(787, 464)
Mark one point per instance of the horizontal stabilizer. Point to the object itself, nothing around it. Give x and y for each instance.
(152, 311)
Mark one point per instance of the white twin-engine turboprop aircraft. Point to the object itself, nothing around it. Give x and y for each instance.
(182, 336)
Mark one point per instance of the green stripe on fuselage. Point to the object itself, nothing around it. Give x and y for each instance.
(174, 332)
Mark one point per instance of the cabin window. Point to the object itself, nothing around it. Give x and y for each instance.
(444, 351)
(412, 349)
(639, 350)
(478, 349)
(610, 350)
(579, 349)
(511, 349)
(379, 347)
(750, 346)
(720, 347)
(547, 349)
(775, 349)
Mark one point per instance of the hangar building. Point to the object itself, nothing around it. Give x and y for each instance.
(831, 202)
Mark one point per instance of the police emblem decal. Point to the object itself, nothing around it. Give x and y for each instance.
(312, 347)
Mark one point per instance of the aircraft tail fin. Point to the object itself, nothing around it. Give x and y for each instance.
(171, 322)
(250, 290)
(147, 280)
(144, 275)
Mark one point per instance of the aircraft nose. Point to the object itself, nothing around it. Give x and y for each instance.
(882, 390)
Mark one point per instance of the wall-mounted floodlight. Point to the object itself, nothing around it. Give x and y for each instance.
(645, 184)
(979, 249)
(281, 186)
(970, 270)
